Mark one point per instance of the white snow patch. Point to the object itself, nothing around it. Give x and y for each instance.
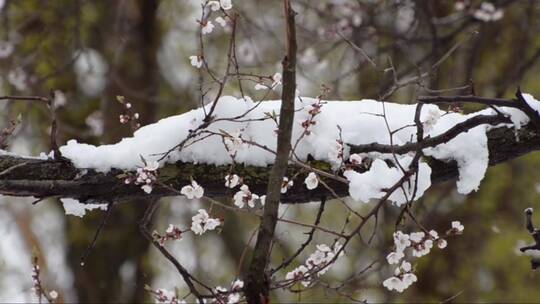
(74, 207)
(369, 185)
(360, 122)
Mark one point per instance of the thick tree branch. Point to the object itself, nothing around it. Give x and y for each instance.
(258, 283)
(21, 176)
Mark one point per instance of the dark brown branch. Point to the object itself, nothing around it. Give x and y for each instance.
(459, 128)
(45, 178)
(307, 241)
(533, 115)
(258, 284)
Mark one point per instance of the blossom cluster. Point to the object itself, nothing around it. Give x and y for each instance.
(37, 288)
(403, 278)
(207, 26)
(355, 159)
(276, 81)
(232, 181)
(166, 296)
(192, 191)
(310, 121)
(128, 115)
(196, 61)
(202, 222)
(317, 263)
(311, 181)
(245, 197)
(230, 296)
(286, 184)
(146, 177)
(336, 154)
(487, 11)
(173, 232)
(420, 244)
(234, 142)
(35, 279)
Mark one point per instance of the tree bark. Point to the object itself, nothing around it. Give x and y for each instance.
(21, 176)
(257, 283)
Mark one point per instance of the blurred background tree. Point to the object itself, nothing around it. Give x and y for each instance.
(89, 52)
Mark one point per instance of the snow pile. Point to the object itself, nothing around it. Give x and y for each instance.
(370, 185)
(242, 121)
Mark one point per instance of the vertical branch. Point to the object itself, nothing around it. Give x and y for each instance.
(257, 288)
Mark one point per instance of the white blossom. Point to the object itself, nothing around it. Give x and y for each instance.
(214, 5)
(231, 181)
(433, 234)
(311, 181)
(192, 191)
(355, 159)
(233, 298)
(417, 237)
(336, 151)
(234, 142)
(321, 260)
(457, 226)
(394, 283)
(263, 199)
(53, 294)
(167, 296)
(207, 27)
(395, 257)
(196, 61)
(221, 21)
(260, 86)
(147, 188)
(487, 12)
(401, 240)
(226, 4)
(276, 78)
(244, 196)
(422, 249)
(402, 279)
(442, 243)
(237, 284)
(152, 166)
(298, 274)
(408, 279)
(220, 289)
(405, 266)
(202, 222)
(286, 184)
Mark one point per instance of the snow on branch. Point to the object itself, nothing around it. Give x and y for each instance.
(240, 140)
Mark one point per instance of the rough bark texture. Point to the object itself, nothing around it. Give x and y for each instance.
(257, 283)
(43, 178)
